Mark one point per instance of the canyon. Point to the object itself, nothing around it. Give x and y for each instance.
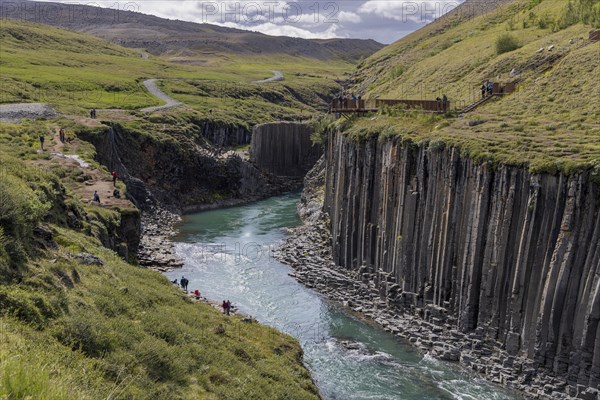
(487, 264)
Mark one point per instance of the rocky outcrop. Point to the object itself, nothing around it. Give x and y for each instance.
(492, 250)
(224, 135)
(156, 249)
(284, 148)
(178, 174)
(311, 201)
(166, 176)
(128, 234)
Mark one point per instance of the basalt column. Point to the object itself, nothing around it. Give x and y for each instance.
(284, 148)
(499, 250)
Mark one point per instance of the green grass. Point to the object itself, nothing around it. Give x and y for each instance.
(69, 330)
(75, 72)
(551, 124)
(150, 342)
(253, 104)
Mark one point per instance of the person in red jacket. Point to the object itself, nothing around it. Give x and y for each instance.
(114, 176)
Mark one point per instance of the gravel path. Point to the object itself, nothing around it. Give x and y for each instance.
(277, 76)
(150, 84)
(13, 113)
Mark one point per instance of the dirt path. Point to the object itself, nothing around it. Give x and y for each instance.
(277, 76)
(150, 84)
(96, 180)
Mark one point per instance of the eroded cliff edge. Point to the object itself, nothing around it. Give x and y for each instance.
(504, 262)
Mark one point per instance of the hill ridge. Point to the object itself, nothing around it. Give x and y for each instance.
(160, 36)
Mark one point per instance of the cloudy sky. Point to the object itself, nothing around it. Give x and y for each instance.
(384, 21)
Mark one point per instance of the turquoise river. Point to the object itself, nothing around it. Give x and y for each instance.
(227, 255)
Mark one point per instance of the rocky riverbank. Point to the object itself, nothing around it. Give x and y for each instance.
(156, 249)
(429, 328)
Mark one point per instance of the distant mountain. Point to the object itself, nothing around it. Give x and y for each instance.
(160, 36)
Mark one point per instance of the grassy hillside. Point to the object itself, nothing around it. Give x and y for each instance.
(550, 124)
(75, 72)
(99, 329)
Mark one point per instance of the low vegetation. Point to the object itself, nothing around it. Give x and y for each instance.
(550, 124)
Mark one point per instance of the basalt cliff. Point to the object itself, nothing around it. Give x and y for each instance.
(490, 265)
(474, 235)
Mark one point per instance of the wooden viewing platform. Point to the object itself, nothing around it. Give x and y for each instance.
(364, 106)
(349, 106)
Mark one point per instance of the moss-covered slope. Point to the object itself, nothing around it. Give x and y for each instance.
(550, 124)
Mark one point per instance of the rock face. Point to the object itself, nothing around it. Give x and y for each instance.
(511, 256)
(224, 135)
(178, 174)
(284, 148)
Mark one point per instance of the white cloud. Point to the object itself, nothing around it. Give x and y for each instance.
(374, 19)
(348, 16)
(272, 29)
(409, 11)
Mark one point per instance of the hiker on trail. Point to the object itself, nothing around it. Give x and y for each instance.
(445, 103)
(483, 89)
(184, 283)
(114, 176)
(42, 142)
(439, 103)
(96, 197)
(197, 294)
(93, 113)
(490, 88)
(61, 135)
(117, 194)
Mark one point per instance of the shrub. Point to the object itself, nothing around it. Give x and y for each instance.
(17, 303)
(544, 21)
(580, 11)
(398, 70)
(505, 43)
(437, 145)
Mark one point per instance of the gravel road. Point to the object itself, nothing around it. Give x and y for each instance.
(150, 84)
(277, 76)
(13, 113)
